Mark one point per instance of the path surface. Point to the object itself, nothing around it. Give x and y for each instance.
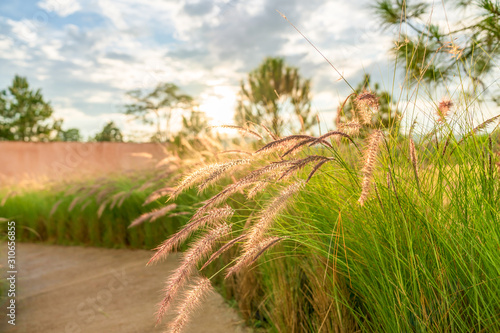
(80, 290)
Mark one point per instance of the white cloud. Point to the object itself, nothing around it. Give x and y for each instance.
(129, 14)
(10, 52)
(60, 7)
(24, 30)
(52, 50)
(100, 96)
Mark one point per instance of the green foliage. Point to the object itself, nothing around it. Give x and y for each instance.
(196, 123)
(25, 115)
(390, 11)
(110, 133)
(156, 106)
(72, 134)
(432, 54)
(420, 256)
(271, 93)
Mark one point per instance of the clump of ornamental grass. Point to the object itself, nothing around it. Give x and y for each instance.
(258, 174)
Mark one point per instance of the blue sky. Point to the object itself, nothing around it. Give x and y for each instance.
(85, 55)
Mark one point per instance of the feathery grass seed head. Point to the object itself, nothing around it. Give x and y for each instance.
(152, 215)
(74, 202)
(54, 207)
(192, 300)
(367, 102)
(316, 168)
(444, 108)
(192, 179)
(476, 129)
(222, 249)
(212, 217)
(350, 128)
(219, 170)
(250, 255)
(333, 133)
(296, 165)
(240, 129)
(158, 194)
(257, 188)
(279, 203)
(246, 181)
(282, 143)
(370, 157)
(413, 156)
(191, 257)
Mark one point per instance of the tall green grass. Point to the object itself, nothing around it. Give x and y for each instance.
(422, 254)
(68, 214)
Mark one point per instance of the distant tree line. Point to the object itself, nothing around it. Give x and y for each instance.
(274, 95)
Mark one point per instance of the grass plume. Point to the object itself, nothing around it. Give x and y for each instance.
(212, 217)
(189, 260)
(252, 254)
(219, 170)
(413, 158)
(267, 216)
(192, 299)
(282, 143)
(222, 249)
(152, 215)
(350, 128)
(367, 103)
(370, 156)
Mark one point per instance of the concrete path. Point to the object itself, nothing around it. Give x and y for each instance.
(92, 290)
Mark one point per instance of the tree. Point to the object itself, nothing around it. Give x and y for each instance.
(432, 54)
(196, 123)
(72, 134)
(157, 106)
(110, 133)
(386, 117)
(25, 115)
(271, 94)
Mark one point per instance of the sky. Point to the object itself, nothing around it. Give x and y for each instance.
(86, 54)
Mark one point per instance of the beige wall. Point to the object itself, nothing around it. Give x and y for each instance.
(64, 160)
